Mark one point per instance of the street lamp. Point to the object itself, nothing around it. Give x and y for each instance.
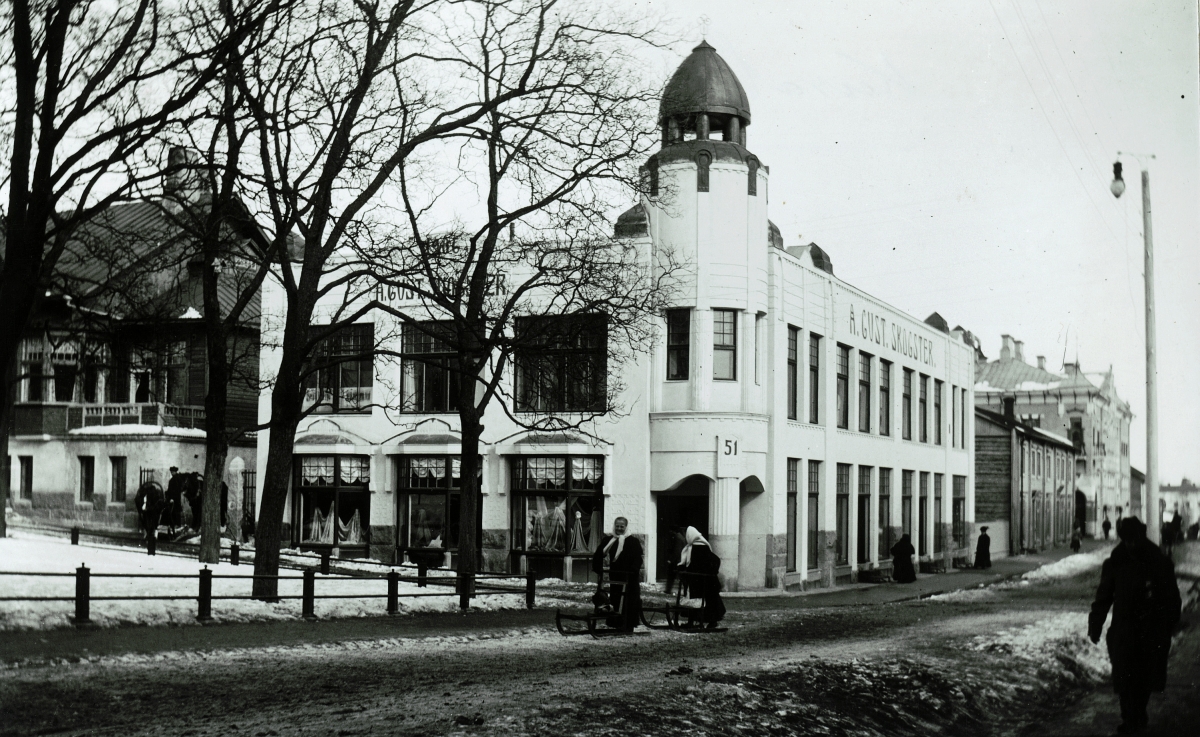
(1153, 515)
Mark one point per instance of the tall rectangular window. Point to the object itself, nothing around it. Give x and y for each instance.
(843, 387)
(843, 514)
(725, 345)
(885, 513)
(885, 398)
(679, 339)
(923, 516)
(793, 473)
(814, 501)
(793, 373)
(938, 482)
(26, 480)
(959, 511)
(923, 415)
(562, 364)
(341, 372)
(906, 494)
(937, 412)
(864, 392)
(814, 376)
(953, 416)
(906, 406)
(117, 465)
(963, 417)
(428, 369)
(864, 514)
(87, 478)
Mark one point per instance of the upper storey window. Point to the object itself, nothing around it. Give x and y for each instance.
(752, 176)
(342, 372)
(563, 367)
(843, 387)
(428, 369)
(725, 345)
(703, 160)
(679, 328)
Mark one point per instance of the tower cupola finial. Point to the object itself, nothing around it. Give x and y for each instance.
(703, 99)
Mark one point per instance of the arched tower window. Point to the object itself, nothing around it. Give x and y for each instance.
(752, 176)
(703, 159)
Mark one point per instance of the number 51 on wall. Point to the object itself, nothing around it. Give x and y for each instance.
(729, 457)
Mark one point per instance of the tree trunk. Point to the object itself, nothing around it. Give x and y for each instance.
(7, 400)
(468, 546)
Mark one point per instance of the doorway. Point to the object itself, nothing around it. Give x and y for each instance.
(682, 507)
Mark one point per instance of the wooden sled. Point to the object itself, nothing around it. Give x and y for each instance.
(599, 623)
(677, 616)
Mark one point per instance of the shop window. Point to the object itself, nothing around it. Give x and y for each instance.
(906, 504)
(429, 502)
(332, 500)
(885, 514)
(793, 471)
(87, 478)
(864, 392)
(26, 480)
(793, 375)
(885, 398)
(814, 375)
(342, 371)
(679, 338)
(428, 369)
(117, 466)
(937, 412)
(725, 345)
(938, 482)
(923, 405)
(864, 514)
(814, 502)
(557, 512)
(562, 364)
(923, 515)
(843, 514)
(906, 406)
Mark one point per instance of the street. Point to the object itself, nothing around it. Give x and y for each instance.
(980, 661)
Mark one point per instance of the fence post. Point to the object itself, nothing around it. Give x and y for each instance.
(234, 554)
(466, 587)
(325, 564)
(422, 570)
(530, 587)
(83, 596)
(204, 613)
(393, 600)
(75, 535)
(310, 591)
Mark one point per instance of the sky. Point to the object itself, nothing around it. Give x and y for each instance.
(956, 157)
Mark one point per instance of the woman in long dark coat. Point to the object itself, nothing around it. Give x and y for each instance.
(623, 554)
(1138, 583)
(698, 559)
(902, 564)
(983, 549)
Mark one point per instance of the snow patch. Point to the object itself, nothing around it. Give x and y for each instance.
(187, 432)
(191, 314)
(1070, 566)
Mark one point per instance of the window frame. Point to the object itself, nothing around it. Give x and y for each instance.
(327, 379)
(937, 411)
(570, 491)
(885, 397)
(842, 366)
(842, 518)
(813, 549)
(338, 488)
(444, 487)
(793, 373)
(864, 392)
(863, 547)
(679, 342)
(25, 477)
(906, 408)
(118, 491)
(792, 510)
(87, 478)
(884, 522)
(576, 386)
(730, 347)
(418, 344)
(923, 408)
(814, 379)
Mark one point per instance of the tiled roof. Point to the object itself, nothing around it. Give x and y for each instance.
(1013, 375)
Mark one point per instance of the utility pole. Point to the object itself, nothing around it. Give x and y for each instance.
(1153, 513)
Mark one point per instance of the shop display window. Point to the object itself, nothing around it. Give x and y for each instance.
(332, 500)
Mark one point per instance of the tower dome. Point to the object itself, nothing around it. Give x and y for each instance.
(704, 96)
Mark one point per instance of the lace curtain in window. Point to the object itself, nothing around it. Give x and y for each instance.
(316, 470)
(355, 470)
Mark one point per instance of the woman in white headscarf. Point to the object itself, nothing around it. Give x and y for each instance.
(622, 553)
(699, 560)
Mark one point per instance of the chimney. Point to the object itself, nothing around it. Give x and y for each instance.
(1042, 362)
(1019, 352)
(182, 181)
(1071, 368)
(1009, 407)
(1006, 347)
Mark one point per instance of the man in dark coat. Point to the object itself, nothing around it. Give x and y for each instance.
(983, 549)
(704, 565)
(174, 503)
(623, 554)
(902, 563)
(1138, 583)
(149, 503)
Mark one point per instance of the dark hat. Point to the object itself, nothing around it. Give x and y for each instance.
(983, 529)
(174, 468)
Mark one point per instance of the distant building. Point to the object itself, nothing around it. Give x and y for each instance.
(1084, 407)
(1024, 483)
(1184, 499)
(1137, 486)
(113, 373)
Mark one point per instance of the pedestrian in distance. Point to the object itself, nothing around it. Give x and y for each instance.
(149, 501)
(1107, 527)
(675, 545)
(903, 570)
(1076, 540)
(703, 566)
(983, 549)
(623, 554)
(173, 510)
(1138, 583)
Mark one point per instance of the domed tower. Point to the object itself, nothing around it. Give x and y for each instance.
(708, 204)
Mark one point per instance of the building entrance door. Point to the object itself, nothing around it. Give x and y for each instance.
(677, 512)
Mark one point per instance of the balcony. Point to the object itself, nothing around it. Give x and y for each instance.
(53, 418)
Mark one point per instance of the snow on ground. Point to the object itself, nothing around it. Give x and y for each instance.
(1049, 639)
(30, 552)
(1072, 565)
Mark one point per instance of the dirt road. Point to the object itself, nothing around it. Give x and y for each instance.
(920, 667)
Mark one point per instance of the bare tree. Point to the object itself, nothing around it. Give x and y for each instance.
(86, 87)
(531, 265)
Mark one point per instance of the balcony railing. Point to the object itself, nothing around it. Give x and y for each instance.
(60, 418)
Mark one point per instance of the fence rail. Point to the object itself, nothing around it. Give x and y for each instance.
(204, 598)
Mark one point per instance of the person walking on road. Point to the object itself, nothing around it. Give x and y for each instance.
(903, 551)
(624, 557)
(1107, 527)
(1138, 583)
(149, 502)
(983, 549)
(699, 560)
(1076, 540)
